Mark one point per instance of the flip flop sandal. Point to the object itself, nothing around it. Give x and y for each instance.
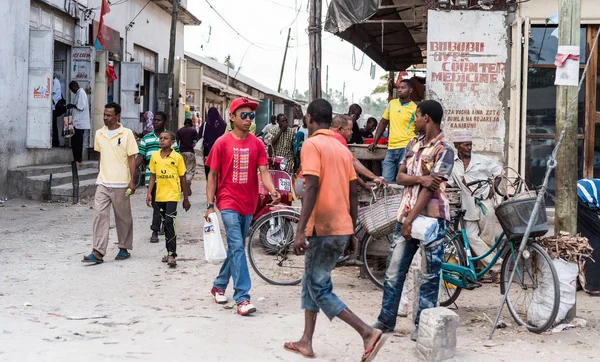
(154, 239)
(370, 353)
(171, 261)
(291, 347)
(165, 259)
(122, 255)
(91, 259)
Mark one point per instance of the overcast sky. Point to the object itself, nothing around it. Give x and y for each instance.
(268, 30)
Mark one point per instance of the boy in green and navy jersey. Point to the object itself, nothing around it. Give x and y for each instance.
(150, 144)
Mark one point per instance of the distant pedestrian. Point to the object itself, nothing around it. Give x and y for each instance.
(58, 109)
(369, 128)
(117, 147)
(149, 144)
(268, 127)
(400, 116)
(210, 131)
(81, 120)
(329, 210)
(167, 169)
(187, 136)
(281, 139)
(423, 172)
(234, 160)
(355, 111)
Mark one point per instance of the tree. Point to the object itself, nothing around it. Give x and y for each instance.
(383, 85)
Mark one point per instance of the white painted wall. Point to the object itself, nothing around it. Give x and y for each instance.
(152, 28)
(466, 73)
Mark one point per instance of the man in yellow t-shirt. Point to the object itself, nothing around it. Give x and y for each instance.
(400, 116)
(117, 150)
(167, 174)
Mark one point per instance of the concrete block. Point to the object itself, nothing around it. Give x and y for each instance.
(437, 335)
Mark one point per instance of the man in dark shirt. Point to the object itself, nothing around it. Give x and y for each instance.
(187, 136)
(355, 111)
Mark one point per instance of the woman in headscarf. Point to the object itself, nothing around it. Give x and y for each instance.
(212, 128)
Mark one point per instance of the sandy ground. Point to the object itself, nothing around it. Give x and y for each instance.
(138, 309)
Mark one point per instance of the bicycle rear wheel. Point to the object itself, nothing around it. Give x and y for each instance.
(271, 248)
(454, 253)
(534, 296)
(374, 255)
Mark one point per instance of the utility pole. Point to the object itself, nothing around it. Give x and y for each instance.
(283, 63)
(171, 65)
(343, 91)
(566, 180)
(314, 44)
(569, 12)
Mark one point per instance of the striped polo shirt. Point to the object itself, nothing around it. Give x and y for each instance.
(588, 191)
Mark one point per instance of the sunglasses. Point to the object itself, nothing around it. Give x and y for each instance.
(245, 115)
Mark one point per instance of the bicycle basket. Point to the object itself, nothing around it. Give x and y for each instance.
(514, 214)
(379, 218)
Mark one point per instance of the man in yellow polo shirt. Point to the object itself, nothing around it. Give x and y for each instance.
(400, 116)
(118, 148)
(167, 174)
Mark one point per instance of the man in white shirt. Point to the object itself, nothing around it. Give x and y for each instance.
(80, 109)
(480, 226)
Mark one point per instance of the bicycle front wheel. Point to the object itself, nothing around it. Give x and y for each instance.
(271, 248)
(534, 297)
(454, 253)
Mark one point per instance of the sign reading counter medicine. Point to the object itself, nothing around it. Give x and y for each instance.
(466, 57)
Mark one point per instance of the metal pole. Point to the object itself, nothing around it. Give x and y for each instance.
(171, 64)
(314, 41)
(284, 56)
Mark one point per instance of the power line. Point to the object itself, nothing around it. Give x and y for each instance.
(238, 33)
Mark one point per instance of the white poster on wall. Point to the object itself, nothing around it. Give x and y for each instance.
(466, 57)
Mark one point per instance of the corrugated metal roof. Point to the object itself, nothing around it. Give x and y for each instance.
(240, 77)
(230, 90)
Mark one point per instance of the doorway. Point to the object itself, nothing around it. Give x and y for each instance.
(62, 56)
(148, 91)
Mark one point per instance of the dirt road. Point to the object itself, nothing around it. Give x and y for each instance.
(52, 307)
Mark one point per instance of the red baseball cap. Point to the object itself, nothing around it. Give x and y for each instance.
(242, 102)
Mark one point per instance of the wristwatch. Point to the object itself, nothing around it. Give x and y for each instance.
(210, 206)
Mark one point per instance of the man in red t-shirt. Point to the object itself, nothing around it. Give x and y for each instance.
(233, 162)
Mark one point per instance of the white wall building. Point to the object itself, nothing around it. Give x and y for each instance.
(54, 38)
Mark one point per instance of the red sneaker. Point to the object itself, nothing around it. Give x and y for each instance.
(219, 295)
(245, 308)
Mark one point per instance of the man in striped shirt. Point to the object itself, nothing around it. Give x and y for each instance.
(148, 145)
(424, 172)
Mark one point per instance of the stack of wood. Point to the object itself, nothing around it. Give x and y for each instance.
(571, 248)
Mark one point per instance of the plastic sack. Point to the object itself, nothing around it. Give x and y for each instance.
(214, 251)
(425, 229)
(543, 296)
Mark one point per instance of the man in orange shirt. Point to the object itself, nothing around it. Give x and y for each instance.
(329, 210)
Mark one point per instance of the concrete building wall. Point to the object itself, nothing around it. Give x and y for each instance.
(151, 30)
(540, 10)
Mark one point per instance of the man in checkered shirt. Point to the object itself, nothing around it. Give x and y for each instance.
(281, 139)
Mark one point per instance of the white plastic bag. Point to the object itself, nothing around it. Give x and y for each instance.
(543, 296)
(214, 251)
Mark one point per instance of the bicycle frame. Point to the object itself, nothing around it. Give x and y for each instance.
(467, 274)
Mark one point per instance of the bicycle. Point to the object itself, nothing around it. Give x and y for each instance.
(535, 270)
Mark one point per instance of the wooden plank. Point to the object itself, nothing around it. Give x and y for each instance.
(362, 153)
(590, 105)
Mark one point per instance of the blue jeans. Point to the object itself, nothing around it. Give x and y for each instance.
(235, 265)
(399, 260)
(320, 259)
(391, 164)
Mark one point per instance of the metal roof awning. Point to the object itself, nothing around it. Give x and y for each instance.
(393, 33)
(184, 15)
(225, 89)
